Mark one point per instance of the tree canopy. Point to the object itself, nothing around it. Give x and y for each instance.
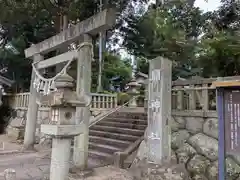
(26, 22)
(198, 43)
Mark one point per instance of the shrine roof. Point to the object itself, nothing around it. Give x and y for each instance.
(233, 83)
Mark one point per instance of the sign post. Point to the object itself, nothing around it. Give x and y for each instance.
(228, 108)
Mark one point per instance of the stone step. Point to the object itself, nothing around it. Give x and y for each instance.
(101, 156)
(122, 125)
(135, 132)
(111, 135)
(129, 115)
(109, 141)
(126, 120)
(104, 148)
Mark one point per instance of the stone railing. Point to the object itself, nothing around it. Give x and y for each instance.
(194, 94)
(99, 101)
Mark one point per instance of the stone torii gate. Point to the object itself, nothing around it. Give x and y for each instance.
(81, 32)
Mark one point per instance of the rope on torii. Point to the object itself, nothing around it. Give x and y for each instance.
(47, 85)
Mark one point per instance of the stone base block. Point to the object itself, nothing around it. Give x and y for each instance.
(78, 173)
(15, 133)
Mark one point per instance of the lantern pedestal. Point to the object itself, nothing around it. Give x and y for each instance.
(61, 148)
(133, 102)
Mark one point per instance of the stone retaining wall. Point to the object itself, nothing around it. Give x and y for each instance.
(195, 143)
(17, 122)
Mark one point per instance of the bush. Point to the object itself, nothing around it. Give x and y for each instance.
(106, 92)
(123, 98)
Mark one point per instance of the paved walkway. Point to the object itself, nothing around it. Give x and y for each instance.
(28, 165)
(7, 144)
(32, 166)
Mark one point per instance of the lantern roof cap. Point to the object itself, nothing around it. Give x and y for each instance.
(133, 83)
(64, 81)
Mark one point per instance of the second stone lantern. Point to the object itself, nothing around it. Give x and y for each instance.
(63, 128)
(133, 91)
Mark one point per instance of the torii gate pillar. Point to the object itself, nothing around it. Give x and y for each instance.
(84, 79)
(32, 112)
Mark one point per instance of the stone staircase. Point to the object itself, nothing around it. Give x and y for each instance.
(115, 133)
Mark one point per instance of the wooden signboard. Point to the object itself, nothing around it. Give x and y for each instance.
(228, 108)
(232, 121)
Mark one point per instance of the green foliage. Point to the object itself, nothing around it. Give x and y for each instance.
(204, 44)
(220, 56)
(170, 31)
(106, 92)
(32, 21)
(198, 43)
(113, 66)
(122, 98)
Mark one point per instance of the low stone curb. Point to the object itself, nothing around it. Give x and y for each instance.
(15, 152)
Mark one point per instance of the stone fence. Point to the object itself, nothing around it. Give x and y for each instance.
(99, 101)
(196, 93)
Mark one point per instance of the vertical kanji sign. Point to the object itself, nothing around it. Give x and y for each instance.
(228, 108)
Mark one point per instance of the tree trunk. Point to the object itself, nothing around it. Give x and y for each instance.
(102, 48)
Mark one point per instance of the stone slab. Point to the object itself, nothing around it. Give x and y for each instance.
(61, 130)
(57, 59)
(210, 127)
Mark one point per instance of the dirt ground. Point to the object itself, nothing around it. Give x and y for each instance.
(109, 173)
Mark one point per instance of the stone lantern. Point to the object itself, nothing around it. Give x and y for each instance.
(133, 91)
(63, 128)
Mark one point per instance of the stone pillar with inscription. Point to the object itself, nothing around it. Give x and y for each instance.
(159, 111)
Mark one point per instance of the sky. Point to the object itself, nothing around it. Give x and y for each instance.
(211, 5)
